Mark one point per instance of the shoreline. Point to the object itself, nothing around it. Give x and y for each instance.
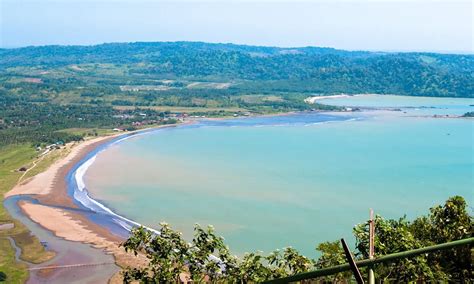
(60, 212)
(56, 208)
(47, 182)
(314, 99)
(47, 199)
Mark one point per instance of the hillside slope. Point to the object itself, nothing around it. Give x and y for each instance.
(252, 68)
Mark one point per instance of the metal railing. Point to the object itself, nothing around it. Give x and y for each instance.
(369, 262)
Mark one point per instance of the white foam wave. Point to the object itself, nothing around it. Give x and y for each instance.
(331, 121)
(81, 194)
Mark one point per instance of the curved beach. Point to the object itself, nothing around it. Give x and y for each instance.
(49, 199)
(58, 200)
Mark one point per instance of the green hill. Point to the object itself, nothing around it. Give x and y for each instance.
(249, 68)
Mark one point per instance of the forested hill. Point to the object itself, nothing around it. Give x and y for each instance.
(256, 69)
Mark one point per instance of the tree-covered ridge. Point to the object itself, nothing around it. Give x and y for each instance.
(253, 69)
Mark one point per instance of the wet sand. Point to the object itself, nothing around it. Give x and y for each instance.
(75, 227)
(100, 266)
(53, 214)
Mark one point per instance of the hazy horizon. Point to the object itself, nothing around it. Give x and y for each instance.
(390, 26)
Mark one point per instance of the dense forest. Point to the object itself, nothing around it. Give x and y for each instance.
(253, 69)
(49, 88)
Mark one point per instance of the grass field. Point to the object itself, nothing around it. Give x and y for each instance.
(13, 157)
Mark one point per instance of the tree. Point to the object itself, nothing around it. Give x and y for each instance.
(394, 236)
(166, 252)
(208, 259)
(332, 254)
(205, 259)
(448, 223)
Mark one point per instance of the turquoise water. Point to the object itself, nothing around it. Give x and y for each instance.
(411, 105)
(272, 182)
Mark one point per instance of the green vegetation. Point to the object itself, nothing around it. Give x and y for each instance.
(469, 114)
(171, 255)
(23, 121)
(58, 94)
(137, 73)
(444, 223)
(51, 88)
(11, 159)
(10, 270)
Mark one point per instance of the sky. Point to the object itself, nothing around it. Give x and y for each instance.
(417, 25)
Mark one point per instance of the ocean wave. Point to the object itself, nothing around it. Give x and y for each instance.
(331, 121)
(81, 194)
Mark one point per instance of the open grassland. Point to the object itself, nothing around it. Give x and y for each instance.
(12, 158)
(10, 270)
(42, 163)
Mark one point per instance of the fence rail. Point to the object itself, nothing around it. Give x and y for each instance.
(368, 262)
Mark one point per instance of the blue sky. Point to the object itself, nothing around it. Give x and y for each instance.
(418, 25)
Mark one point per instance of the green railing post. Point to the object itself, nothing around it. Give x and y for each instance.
(368, 262)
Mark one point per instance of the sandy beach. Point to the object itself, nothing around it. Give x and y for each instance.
(75, 227)
(50, 189)
(314, 99)
(51, 181)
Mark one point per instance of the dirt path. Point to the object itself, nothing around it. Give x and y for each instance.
(34, 163)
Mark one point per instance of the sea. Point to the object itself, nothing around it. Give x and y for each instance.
(296, 180)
